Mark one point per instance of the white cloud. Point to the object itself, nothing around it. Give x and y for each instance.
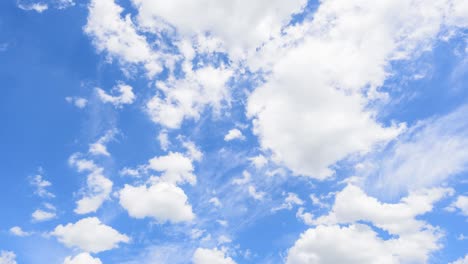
(90, 235)
(83, 258)
(161, 201)
(255, 194)
(349, 45)
(18, 231)
(306, 217)
(41, 186)
(412, 240)
(99, 147)
(234, 134)
(211, 256)
(38, 7)
(258, 161)
(440, 142)
(215, 201)
(118, 36)
(7, 257)
(462, 260)
(163, 140)
(238, 26)
(77, 101)
(98, 186)
(335, 244)
(62, 4)
(192, 150)
(175, 168)
(188, 97)
(43, 215)
(122, 94)
(243, 180)
(461, 203)
(291, 200)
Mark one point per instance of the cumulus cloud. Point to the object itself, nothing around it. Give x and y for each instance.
(291, 200)
(255, 194)
(412, 240)
(461, 204)
(440, 142)
(41, 215)
(243, 180)
(99, 147)
(333, 66)
(175, 168)
(18, 231)
(7, 257)
(234, 134)
(212, 256)
(161, 201)
(98, 186)
(122, 94)
(189, 96)
(83, 258)
(90, 235)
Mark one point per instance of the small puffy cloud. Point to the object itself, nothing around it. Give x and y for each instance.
(290, 200)
(99, 147)
(98, 186)
(7, 257)
(234, 134)
(90, 235)
(62, 4)
(461, 203)
(258, 161)
(43, 215)
(38, 7)
(215, 201)
(211, 256)
(77, 101)
(255, 194)
(83, 258)
(121, 94)
(161, 201)
(243, 180)
(462, 260)
(175, 168)
(41, 186)
(18, 231)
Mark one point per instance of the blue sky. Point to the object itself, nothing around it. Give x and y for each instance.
(220, 132)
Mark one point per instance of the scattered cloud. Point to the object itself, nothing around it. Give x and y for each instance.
(161, 201)
(234, 134)
(18, 231)
(121, 94)
(82, 258)
(89, 235)
(212, 256)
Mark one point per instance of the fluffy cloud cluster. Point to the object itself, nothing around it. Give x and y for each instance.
(412, 240)
(161, 199)
(212, 256)
(98, 186)
(90, 235)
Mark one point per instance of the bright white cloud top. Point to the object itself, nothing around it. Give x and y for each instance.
(226, 132)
